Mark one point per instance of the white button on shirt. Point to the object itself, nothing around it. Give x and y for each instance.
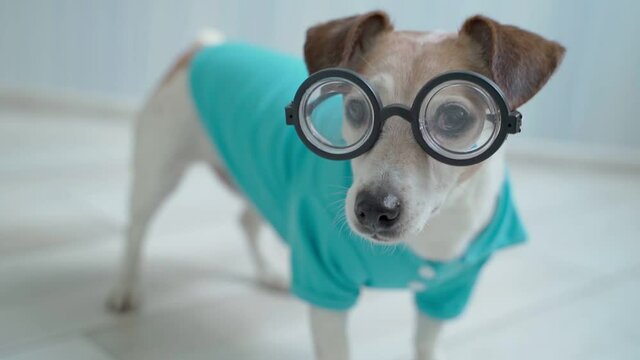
(427, 272)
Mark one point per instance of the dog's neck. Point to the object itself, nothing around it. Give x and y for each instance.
(467, 210)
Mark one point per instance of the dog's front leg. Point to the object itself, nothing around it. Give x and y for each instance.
(329, 331)
(427, 331)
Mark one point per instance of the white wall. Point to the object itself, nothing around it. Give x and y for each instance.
(118, 48)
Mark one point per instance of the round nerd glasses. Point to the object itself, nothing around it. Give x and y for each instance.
(459, 118)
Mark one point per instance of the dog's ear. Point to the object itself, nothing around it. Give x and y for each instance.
(342, 42)
(520, 62)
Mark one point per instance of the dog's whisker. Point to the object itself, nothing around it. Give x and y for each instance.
(344, 228)
(339, 201)
(340, 216)
(338, 208)
(338, 221)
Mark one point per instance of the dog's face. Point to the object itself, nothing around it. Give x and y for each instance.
(396, 186)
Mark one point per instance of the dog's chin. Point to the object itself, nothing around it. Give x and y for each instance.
(388, 237)
(380, 238)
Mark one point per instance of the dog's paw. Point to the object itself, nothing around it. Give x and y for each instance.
(273, 281)
(121, 302)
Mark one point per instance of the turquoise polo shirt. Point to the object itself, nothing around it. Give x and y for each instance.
(240, 92)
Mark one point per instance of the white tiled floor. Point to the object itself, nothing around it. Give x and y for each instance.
(571, 293)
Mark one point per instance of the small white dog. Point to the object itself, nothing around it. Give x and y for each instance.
(403, 187)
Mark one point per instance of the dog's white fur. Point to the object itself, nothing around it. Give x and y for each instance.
(169, 137)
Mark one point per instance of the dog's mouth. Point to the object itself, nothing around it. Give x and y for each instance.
(378, 235)
(383, 238)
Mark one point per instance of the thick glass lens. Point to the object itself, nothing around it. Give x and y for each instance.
(336, 116)
(459, 119)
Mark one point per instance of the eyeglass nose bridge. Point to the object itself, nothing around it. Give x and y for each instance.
(400, 110)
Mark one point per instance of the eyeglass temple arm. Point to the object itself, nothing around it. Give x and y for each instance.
(291, 114)
(514, 121)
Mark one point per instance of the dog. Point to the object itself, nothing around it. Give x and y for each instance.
(434, 211)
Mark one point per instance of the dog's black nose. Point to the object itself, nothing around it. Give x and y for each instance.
(377, 212)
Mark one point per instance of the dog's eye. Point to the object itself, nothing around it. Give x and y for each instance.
(452, 119)
(356, 112)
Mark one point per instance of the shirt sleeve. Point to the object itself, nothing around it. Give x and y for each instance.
(318, 280)
(326, 270)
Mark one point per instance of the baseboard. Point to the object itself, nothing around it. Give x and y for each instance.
(566, 153)
(63, 102)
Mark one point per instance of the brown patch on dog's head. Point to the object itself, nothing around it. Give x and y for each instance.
(520, 62)
(340, 42)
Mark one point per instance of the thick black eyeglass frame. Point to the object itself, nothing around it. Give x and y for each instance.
(510, 120)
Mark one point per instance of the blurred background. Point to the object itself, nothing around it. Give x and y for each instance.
(73, 73)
